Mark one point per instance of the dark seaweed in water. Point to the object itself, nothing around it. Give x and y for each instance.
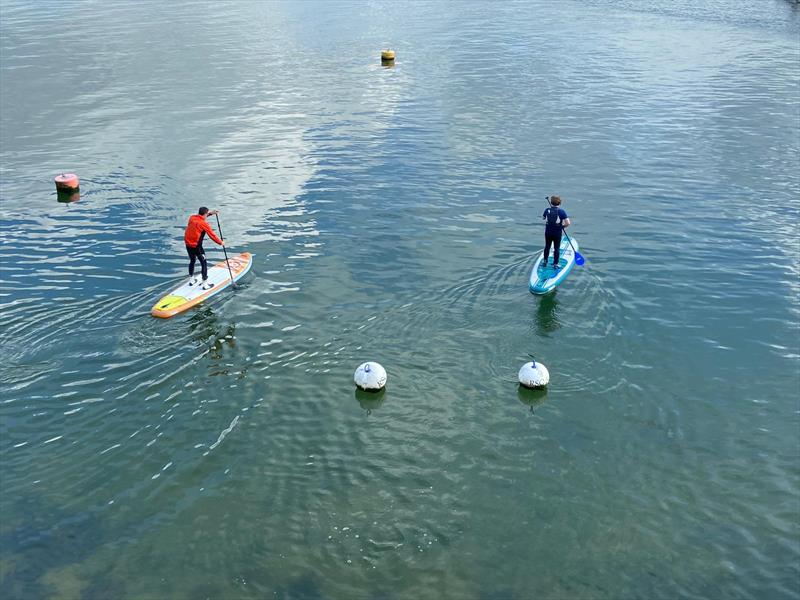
(48, 537)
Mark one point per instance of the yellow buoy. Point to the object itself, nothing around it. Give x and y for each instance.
(387, 55)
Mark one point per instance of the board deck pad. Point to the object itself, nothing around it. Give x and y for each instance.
(546, 279)
(186, 296)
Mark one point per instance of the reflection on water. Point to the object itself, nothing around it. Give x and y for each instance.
(531, 397)
(207, 331)
(63, 195)
(547, 314)
(370, 401)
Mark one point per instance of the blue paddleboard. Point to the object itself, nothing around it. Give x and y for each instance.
(546, 279)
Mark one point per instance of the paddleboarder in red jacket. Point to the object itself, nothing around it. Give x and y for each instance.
(196, 230)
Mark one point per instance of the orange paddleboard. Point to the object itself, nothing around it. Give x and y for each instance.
(186, 296)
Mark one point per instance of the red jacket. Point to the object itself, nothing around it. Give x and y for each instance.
(195, 229)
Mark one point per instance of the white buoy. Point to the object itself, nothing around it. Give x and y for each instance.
(370, 376)
(534, 375)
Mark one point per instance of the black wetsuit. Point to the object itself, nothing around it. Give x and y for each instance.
(552, 232)
(197, 253)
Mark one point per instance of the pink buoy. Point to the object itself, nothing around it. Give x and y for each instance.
(67, 181)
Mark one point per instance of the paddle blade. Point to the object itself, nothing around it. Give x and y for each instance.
(579, 258)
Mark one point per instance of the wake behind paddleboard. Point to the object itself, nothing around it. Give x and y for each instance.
(546, 279)
(186, 296)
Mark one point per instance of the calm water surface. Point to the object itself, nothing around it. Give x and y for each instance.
(394, 214)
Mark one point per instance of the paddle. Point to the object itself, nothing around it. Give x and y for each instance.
(579, 260)
(222, 237)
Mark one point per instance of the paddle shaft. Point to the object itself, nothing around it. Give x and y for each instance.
(222, 237)
(570, 241)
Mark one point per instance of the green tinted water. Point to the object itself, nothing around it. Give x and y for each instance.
(395, 216)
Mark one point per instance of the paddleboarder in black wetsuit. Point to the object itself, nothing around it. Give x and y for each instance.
(197, 228)
(556, 222)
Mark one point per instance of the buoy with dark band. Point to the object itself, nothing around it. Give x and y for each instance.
(67, 181)
(387, 56)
